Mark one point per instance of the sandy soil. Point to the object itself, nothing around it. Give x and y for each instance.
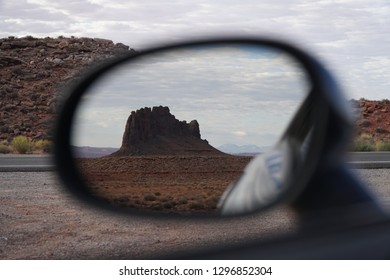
(39, 220)
(180, 184)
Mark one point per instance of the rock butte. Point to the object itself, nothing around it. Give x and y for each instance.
(155, 131)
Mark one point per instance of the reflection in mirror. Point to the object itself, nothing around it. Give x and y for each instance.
(170, 131)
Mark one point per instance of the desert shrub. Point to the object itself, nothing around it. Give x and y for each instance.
(196, 205)
(363, 143)
(21, 144)
(365, 123)
(210, 204)
(215, 199)
(4, 149)
(157, 207)
(365, 137)
(149, 197)
(43, 145)
(363, 146)
(380, 130)
(29, 38)
(18, 71)
(167, 205)
(383, 146)
(182, 200)
(123, 199)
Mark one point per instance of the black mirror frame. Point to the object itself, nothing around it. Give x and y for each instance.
(327, 98)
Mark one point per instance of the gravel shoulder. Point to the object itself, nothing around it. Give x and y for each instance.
(39, 220)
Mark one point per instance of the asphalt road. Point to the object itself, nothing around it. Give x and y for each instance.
(369, 160)
(24, 163)
(36, 163)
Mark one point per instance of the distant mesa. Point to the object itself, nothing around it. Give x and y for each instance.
(155, 131)
(92, 152)
(242, 150)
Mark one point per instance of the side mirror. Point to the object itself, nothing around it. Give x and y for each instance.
(145, 133)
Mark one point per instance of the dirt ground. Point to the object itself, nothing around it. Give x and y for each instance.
(180, 184)
(40, 220)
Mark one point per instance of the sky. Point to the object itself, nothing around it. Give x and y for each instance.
(238, 93)
(351, 37)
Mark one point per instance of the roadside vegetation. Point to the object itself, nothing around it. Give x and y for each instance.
(365, 143)
(24, 145)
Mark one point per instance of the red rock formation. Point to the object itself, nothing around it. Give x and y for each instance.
(373, 118)
(34, 72)
(157, 132)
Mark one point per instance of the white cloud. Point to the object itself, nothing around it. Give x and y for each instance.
(240, 133)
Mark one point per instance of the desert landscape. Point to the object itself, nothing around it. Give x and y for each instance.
(180, 184)
(36, 72)
(43, 221)
(162, 165)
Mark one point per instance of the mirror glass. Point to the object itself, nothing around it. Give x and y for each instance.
(170, 131)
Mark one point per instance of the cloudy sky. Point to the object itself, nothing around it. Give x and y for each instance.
(350, 36)
(238, 93)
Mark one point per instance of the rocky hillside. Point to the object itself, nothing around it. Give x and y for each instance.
(33, 73)
(155, 131)
(373, 119)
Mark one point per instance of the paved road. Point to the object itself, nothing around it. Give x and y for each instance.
(37, 163)
(369, 159)
(23, 163)
(369, 156)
